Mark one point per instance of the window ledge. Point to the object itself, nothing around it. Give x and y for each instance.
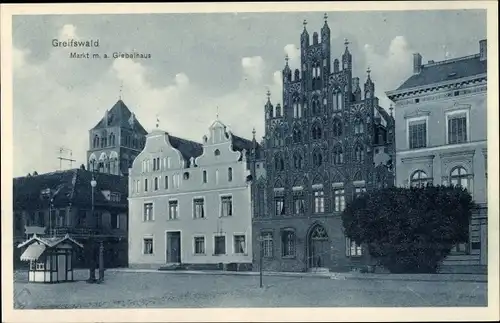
(288, 257)
(199, 254)
(219, 254)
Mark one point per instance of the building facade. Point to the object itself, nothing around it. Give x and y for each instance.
(59, 203)
(327, 143)
(441, 136)
(115, 141)
(190, 203)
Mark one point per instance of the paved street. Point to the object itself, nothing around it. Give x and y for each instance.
(166, 290)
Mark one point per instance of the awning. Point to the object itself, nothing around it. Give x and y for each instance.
(33, 252)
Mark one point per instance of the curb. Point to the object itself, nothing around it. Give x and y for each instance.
(333, 276)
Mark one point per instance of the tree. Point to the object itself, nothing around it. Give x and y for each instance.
(409, 230)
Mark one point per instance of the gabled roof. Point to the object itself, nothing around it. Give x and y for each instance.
(186, 147)
(120, 116)
(67, 187)
(49, 242)
(448, 70)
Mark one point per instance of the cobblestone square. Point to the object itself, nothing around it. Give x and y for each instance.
(167, 290)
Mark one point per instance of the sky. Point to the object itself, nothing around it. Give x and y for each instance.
(200, 63)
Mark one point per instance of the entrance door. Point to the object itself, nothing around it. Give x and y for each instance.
(61, 268)
(174, 247)
(318, 247)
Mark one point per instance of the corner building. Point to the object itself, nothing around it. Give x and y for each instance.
(441, 112)
(329, 141)
(190, 203)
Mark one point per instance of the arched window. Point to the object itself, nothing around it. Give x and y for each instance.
(337, 127)
(297, 135)
(96, 141)
(278, 111)
(338, 155)
(103, 141)
(358, 126)
(279, 164)
(111, 139)
(297, 160)
(359, 153)
(418, 179)
(316, 108)
(317, 158)
(230, 174)
(460, 177)
(204, 176)
(337, 101)
(316, 132)
(278, 140)
(297, 113)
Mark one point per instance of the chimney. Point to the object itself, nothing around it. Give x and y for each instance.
(482, 50)
(417, 63)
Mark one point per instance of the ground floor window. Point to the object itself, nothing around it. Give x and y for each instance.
(199, 245)
(288, 243)
(353, 249)
(267, 244)
(148, 246)
(460, 248)
(239, 244)
(220, 245)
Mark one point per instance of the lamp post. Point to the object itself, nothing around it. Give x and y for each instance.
(261, 256)
(101, 261)
(93, 184)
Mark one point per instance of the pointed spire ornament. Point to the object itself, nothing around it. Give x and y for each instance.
(391, 107)
(346, 42)
(121, 88)
(268, 95)
(304, 23)
(368, 71)
(253, 133)
(286, 59)
(157, 121)
(326, 17)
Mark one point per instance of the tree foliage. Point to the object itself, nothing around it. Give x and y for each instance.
(409, 229)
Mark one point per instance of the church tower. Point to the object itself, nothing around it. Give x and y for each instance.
(115, 141)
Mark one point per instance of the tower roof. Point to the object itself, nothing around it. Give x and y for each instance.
(121, 116)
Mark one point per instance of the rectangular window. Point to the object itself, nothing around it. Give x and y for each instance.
(199, 208)
(220, 245)
(319, 202)
(114, 197)
(137, 186)
(61, 219)
(298, 203)
(279, 203)
(156, 183)
(239, 244)
(226, 206)
(352, 248)
(199, 245)
(417, 132)
(145, 185)
(339, 199)
(204, 176)
(229, 174)
(457, 128)
(148, 211)
(166, 182)
(148, 246)
(173, 210)
(288, 243)
(115, 221)
(40, 266)
(267, 244)
(82, 218)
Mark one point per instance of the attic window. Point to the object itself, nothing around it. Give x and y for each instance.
(452, 74)
(217, 152)
(417, 100)
(186, 176)
(456, 93)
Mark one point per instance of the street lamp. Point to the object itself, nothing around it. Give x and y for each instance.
(261, 256)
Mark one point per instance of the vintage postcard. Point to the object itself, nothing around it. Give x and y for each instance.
(250, 162)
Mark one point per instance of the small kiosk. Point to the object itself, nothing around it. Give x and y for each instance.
(50, 258)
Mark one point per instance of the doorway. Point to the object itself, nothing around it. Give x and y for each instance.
(174, 247)
(318, 246)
